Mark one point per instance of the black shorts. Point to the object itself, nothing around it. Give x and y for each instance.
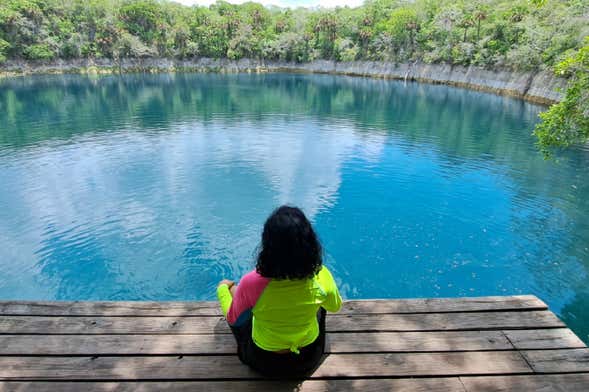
(271, 364)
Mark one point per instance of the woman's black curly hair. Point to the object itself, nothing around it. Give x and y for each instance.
(290, 248)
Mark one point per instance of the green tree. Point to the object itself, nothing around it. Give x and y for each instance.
(39, 52)
(479, 15)
(402, 26)
(3, 50)
(325, 29)
(208, 31)
(567, 122)
(129, 45)
(143, 18)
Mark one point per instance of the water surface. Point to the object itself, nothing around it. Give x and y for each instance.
(156, 187)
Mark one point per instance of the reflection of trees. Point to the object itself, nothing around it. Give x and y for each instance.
(63, 105)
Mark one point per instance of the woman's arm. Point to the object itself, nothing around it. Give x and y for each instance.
(237, 301)
(333, 302)
(225, 293)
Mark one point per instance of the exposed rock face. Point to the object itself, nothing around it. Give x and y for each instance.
(541, 87)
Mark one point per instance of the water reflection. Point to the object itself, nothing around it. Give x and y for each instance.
(156, 186)
(152, 208)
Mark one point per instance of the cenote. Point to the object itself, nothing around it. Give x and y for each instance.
(155, 187)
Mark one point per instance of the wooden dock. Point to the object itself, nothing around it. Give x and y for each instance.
(462, 344)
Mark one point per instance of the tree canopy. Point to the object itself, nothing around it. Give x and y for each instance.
(567, 122)
(521, 34)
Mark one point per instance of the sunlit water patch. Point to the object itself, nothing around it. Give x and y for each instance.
(157, 186)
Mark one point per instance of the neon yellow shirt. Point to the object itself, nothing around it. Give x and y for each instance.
(284, 312)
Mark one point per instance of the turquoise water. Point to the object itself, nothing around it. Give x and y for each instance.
(157, 186)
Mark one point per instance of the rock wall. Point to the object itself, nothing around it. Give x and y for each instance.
(541, 87)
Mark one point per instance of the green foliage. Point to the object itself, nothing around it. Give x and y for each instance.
(324, 29)
(402, 26)
(345, 50)
(39, 52)
(521, 34)
(567, 122)
(142, 18)
(129, 45)
(3, 49)
(288, 47)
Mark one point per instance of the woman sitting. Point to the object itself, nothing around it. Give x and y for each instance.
(277, 312)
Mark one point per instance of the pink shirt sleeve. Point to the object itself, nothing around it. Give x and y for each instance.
(246, 295)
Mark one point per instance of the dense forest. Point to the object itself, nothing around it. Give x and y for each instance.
(525, 35)
(520, 34)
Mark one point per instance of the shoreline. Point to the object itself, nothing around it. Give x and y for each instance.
(541, 87)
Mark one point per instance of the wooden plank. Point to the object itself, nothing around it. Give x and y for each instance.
(335, 323)
(123, 368)
(211, 308)
(544, 338)
(525, 383)
(112, 325)
(225, 344)
(558, 361)
(351, 342)
(535, 383)
(443, 321)
(110, 308)
(442, 305)
(228, 366)
(117, 344)
(422, 364)
(442, 384)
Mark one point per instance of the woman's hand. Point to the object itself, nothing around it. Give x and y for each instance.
(228, 282)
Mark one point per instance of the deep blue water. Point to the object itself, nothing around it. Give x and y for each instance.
(157, 186)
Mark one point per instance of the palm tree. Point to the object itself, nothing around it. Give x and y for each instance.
(479, 16)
